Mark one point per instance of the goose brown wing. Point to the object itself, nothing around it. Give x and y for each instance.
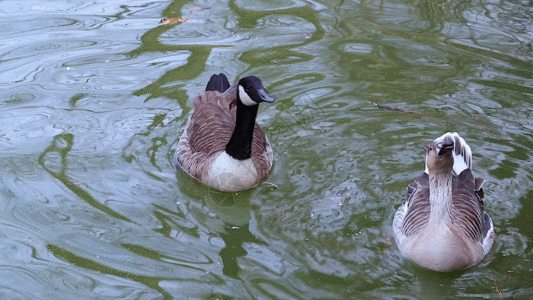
(418, 207)
(467, 205)
(211, 124)
(262, 154)
(206, 133)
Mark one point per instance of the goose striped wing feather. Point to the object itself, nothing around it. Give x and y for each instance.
(467, 206)
(418, 206)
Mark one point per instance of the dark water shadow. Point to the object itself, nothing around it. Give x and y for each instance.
(235, 238)
(85, 263)
(281, 55)
(434, 284)
(524, 214)
(233, 209)
(62, 144)
(192, 69)
(167, 217)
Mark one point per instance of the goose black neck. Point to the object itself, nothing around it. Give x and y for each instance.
(240, 143)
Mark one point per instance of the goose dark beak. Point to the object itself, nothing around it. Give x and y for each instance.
(265, 96)
(446, 145)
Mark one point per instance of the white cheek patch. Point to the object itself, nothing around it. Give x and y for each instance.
(245, 99)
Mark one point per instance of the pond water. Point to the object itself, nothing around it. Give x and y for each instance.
(94, 96)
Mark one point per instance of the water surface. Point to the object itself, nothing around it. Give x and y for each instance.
(94, 96)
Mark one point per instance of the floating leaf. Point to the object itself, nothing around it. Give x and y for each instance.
(172, 21)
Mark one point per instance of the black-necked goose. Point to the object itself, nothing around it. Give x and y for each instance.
(222, 145)
(442, 226)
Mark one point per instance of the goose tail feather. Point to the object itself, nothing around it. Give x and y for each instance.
(218, 83)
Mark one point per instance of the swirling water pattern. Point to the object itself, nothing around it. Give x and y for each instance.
(94, 95)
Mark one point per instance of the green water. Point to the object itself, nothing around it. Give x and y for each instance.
(94, 96)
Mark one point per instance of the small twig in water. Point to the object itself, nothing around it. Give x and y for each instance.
(498, 289)
(395, 109)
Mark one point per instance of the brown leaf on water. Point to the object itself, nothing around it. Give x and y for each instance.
(172, 21)
(498, 289)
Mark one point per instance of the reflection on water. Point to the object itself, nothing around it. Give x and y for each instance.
(61, 145)
(234, 238)
(94, 97)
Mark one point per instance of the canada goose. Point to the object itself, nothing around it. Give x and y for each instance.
(222, 145)
(442, 226)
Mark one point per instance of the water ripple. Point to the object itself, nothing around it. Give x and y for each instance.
(94, 96)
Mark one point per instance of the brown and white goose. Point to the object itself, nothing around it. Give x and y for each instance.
(222, 145)
(442, 226)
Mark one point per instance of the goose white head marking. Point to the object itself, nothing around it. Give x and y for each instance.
(252, 92)
(439, 156)
(462, 154)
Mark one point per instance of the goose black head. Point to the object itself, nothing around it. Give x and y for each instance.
(252, 91)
